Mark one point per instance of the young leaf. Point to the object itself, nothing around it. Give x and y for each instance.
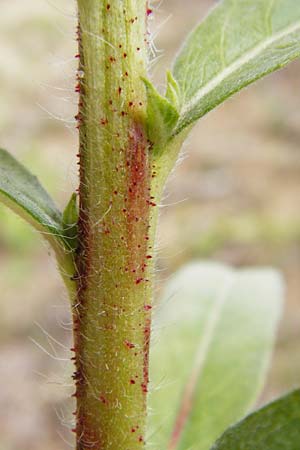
(274, 427)
(162, 115)
(172, 91)
(69, 222)
(22, 192)
(238, 43)
(210, 354)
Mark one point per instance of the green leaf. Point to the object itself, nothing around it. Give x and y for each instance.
(210, 353)
(162, 115)
(238, 43)
(69, 222)
(22, 192)
(274, 427)
(172, 91)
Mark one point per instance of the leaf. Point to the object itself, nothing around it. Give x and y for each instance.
(162, 115)
(69, 222)
(215, 333)
(22, 192)
(274, 427)
(238, 43)
(172, 91)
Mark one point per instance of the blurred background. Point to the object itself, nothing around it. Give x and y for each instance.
(234, 198)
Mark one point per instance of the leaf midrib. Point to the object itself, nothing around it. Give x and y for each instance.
(229, 70)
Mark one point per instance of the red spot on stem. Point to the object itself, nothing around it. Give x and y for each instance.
(103, 400)
(129, 345)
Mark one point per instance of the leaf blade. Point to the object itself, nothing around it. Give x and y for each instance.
(183, 342)
(22, 192)
(238, 43)
(273, 427)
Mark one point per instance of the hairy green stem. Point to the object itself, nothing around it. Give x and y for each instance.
(112, 316)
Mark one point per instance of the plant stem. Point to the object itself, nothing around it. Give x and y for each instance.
(112, 317)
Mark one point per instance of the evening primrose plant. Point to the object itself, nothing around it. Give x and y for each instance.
(214, 326)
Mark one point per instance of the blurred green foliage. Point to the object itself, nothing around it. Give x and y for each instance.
(246, 229)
